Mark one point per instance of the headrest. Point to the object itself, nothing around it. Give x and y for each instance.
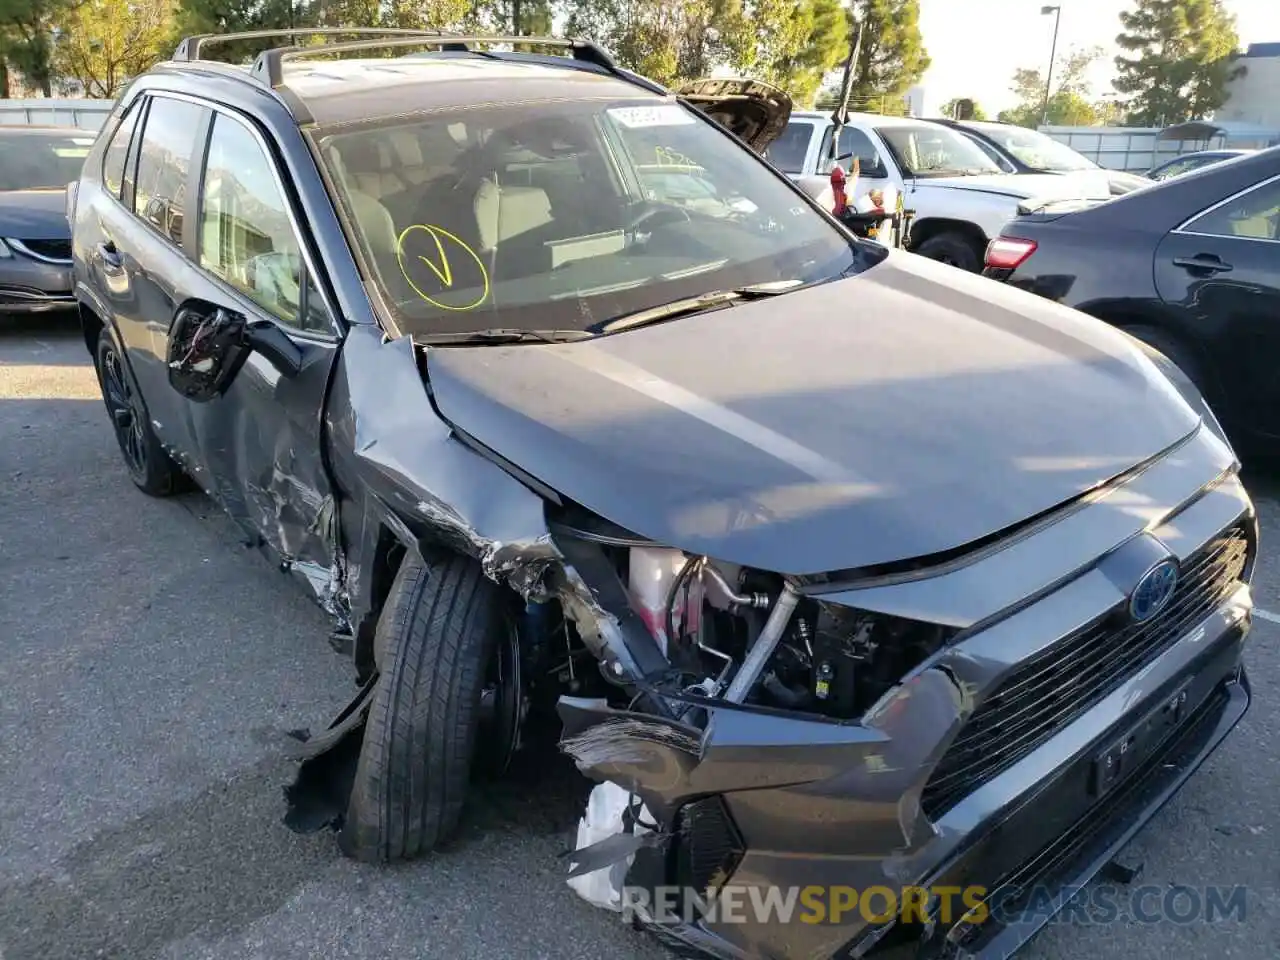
(506, 212)
(407, 149)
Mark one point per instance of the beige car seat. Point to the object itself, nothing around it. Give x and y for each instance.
(504, 212)
(372, 219)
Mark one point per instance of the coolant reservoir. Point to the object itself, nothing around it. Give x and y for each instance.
(653, 570)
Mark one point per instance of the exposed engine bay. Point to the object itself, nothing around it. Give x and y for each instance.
(726, 632)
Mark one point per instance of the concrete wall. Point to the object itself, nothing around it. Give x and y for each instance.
(1132, 149)
(85, 114)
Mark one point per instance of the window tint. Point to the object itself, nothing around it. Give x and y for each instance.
(853, 143)
(1176, 168)
(1254, 216)
(994, 154)
(117, 153)
(925, 150)
(168, 144)
(788, 151)
(246, 237)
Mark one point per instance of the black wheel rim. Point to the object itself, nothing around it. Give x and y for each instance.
(501, 702)
(123, 411)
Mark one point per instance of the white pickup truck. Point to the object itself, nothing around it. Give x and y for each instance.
(960, 197)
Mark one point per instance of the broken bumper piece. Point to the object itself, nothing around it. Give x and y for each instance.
(780, 836)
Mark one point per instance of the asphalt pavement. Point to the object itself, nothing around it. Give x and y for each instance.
(151, 669)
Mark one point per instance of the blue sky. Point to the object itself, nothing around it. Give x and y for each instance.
(977, 44)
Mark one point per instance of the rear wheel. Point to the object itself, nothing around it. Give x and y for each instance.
(150, 467)
(449, 683)
(952, 248)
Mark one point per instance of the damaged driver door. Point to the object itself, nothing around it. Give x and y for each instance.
(251, 348)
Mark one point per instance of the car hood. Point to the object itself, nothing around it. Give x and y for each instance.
(34, 214)
(908, 411)
(1085, 183)
(755, 111)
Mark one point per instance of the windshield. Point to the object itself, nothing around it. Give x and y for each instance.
(1038, 151)
(564, 215)
(787, 153)
(30, 161)
(924, 150)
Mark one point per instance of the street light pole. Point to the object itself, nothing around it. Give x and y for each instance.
(1053, 53)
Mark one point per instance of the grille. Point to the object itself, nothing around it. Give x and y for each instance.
(1054, 688)
(53, 249)
(709, 847)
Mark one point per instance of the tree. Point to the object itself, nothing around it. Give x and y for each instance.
(1069, 105)
(822, 32)
(951, 106)
(768, 39)
(1182, 55)
(644, 35)
(26, 39)
(103, 43)
(892, 56)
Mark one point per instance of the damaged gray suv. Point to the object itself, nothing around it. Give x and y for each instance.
(849, 567)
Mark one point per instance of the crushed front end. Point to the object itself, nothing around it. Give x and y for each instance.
(1000, 720)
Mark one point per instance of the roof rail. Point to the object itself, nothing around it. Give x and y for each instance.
(190, 47)
(269, 67)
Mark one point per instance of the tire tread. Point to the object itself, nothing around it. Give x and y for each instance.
(414, 768)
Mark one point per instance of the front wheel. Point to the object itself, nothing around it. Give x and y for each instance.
(150, 468)
(444, 626)
(952, 248)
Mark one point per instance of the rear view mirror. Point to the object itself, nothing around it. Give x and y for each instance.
(265, 338)
(207, 347)
(209, 344)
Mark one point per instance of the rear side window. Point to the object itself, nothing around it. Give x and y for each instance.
(113, 163)
(168, 145)
(1253, 216)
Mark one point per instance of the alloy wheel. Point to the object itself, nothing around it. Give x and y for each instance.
(123, 410)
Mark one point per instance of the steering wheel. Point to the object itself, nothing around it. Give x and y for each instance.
(654, 215)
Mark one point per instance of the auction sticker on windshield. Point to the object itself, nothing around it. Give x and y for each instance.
(666, 115)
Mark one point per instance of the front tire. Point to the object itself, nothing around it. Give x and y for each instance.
(437, 635)
(952, 248)
(150, 468)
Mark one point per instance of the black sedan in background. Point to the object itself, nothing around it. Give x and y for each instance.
(36, 164)
(1190, 266)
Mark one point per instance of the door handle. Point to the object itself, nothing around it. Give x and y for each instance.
(110, 255)
(1206, 262)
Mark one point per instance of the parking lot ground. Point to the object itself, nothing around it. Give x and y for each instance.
(151, 668)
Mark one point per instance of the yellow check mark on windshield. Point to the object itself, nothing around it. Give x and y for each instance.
(444, 272)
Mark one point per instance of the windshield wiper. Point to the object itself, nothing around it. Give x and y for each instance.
(503, 335)
(705, 301)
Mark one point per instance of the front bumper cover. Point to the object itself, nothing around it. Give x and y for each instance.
(1051, 839)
